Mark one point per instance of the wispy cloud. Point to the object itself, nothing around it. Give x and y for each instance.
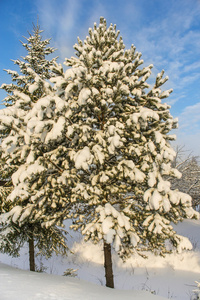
(190, 141)
(60, 21)
(190, 118)
(172, 42)
(174, 98)
(192, 67)
(68, 20)
(188, 133)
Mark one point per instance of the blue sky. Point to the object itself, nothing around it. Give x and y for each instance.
(166, 32)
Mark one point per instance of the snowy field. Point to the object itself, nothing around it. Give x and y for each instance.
(154, 278)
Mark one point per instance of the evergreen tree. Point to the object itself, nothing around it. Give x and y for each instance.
(103, 153)
(118, 149)
(19, 151)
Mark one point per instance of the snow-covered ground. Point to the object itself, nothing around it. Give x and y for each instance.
(23, 285)
(172, 277)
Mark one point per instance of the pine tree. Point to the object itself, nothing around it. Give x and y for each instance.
(118, 150)
(102, 153)
(19, 151)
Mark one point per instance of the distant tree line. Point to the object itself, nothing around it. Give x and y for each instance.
(189, 182)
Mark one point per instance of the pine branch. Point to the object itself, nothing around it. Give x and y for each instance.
(54, 164)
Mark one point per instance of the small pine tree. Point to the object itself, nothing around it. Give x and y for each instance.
(118, 150)
(19, 151)
(26, 87)
(33, 64)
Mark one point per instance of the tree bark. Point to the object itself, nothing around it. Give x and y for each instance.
(108, 265)
(31, 252)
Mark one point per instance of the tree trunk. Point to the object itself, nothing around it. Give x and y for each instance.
(31, 252)
(108, 265)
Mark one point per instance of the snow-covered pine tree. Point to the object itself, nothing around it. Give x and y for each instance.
(20, 151)
(26, 87)
(36, 59)
(118, 149)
